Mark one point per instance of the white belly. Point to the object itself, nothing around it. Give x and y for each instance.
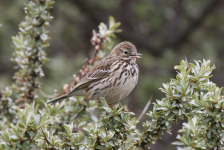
(118, 85)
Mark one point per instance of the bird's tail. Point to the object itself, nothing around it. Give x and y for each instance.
(58, 99)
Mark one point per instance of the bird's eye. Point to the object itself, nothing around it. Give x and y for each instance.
(125, 52)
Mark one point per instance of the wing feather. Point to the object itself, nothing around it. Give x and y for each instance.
(99, 71)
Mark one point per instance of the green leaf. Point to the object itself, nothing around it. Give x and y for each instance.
(104, 102)
(68, 128)
(178, 143)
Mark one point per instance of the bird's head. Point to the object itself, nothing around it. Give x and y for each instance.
(126, 51)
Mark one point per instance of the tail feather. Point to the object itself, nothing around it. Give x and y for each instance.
(58, 99)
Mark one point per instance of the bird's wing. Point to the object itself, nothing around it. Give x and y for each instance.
(99, 71)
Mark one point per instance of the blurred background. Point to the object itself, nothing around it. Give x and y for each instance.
(164, 31)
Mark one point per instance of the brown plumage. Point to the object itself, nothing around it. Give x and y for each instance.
(113, 77)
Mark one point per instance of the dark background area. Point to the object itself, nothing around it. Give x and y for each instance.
(164, 31)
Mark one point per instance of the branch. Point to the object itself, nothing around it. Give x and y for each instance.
(45, 138)
(28, 45)
(145, 108)
(101, 41)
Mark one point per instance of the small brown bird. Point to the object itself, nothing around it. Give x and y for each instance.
(113, 77)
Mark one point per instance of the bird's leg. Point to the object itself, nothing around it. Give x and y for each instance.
(119, 99)
(119, 102)
(111, 105)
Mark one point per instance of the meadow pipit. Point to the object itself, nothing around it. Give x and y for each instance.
(113, 77)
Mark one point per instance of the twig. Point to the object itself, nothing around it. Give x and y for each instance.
(45, 136)
(45, 95)
(145, 109)
(97, 42)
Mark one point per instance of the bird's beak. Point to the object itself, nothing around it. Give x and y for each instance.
(137, 55)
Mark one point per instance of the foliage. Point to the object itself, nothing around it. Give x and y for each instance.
(205, 127)
(191, 94)
(28, 45)
(75, 124)
(7, 108)
(114, 130)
